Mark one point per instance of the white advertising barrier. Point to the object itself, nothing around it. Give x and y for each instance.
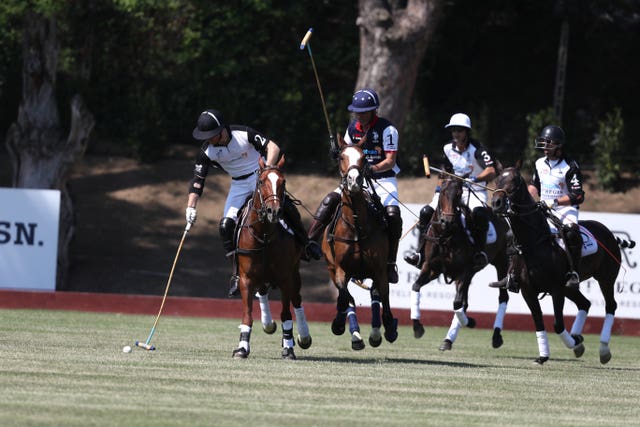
(29, 222)
(438, 295)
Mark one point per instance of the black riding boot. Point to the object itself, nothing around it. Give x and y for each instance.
(323, 216)
(415, 258)
(573, 243)
(395, 232)
(479, 234)
(293, 220)
(227, 229)
(510, 280)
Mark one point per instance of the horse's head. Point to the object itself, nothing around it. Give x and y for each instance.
(449, 202)
(270, 190)
(510, 187)
(352, 162)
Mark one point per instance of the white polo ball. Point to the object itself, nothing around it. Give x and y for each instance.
(126, 349)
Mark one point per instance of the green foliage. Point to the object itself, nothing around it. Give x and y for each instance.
(607, 145)
(536, 122)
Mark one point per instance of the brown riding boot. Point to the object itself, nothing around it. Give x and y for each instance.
(323, 216)
(395, 232)
(415, 258)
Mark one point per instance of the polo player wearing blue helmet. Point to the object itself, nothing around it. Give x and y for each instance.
(381, 150)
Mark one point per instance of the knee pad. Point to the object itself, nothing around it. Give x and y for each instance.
(227, 228)
(480, 216)
(395, 220)
(425, 216)
(331, 200)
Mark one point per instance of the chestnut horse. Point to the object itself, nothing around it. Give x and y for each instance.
(448, 251)
(543, 265)
(355, 246)
(268, 256)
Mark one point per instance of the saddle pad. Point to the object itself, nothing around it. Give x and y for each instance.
(492, 235)
(589, 243)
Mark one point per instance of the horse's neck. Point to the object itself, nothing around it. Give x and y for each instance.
(530, 227)
(355, 205)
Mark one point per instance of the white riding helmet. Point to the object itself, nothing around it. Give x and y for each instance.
(460, 119)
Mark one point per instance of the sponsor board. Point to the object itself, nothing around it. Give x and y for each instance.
(29, 222)
(439, 295)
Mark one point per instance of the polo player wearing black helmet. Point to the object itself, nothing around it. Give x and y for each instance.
(557, 181)
(236, 150)
(381, 150)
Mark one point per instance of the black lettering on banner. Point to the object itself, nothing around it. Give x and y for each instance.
(5, 236)
(24, 233)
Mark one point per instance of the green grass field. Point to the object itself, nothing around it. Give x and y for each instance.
(68, 369)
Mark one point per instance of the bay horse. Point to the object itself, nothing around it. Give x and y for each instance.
(355, 246)
(268, 256)
(544, 265)
(448, 251)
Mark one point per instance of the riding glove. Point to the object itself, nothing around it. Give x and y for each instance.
(191, 215)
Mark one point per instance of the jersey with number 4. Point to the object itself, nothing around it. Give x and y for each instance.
(557, 178)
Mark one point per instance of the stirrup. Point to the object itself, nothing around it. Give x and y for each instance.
(573, 280)
(414, 259)
(233, 285)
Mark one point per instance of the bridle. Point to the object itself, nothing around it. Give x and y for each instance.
(267, 213)
(513, 208)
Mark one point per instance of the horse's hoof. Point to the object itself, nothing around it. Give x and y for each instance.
(337, 327)
(471, 322)
(446, 345)
(357, 343)
(605, 357)
(418, 329)
(375, 338)
(578, 349)
(240, 353)
(496, 340)
(540, 360)
(270, 328)
(304, 342)
(288, 354)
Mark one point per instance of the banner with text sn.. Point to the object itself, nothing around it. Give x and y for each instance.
(29, 222)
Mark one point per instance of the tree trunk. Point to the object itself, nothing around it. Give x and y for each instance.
(393, 40)
(40, 155)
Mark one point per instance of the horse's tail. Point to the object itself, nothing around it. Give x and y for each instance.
(623, 243)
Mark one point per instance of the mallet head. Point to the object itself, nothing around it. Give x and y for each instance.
(145, 346)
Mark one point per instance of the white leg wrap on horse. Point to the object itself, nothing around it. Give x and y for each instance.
(578, 323)
(567, 339)
(499, 322)
(462, 316)
(543, 343)
(607, 325)
(301, 322)
(244, 344)
(265, 310)
(452, 333)
(415, 305)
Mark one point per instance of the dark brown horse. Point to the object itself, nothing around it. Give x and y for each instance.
(355, 246)
(448, 251)
(268, 256)
(543, 265)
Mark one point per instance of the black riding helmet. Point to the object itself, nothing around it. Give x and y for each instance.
(210, 123)
(549, 138)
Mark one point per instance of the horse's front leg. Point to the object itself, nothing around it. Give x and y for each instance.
(304, 337)
(460, 318)
(418, 328)
(287, 326)
(375, 337)
(575, 342)
(246, 291)
(268, 325)
(536, 314)
(390, 323)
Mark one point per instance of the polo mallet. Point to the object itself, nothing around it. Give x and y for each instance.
(146, 345)
(428, 168)
(303, 43)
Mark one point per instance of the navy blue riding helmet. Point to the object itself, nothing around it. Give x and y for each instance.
(364, 100)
